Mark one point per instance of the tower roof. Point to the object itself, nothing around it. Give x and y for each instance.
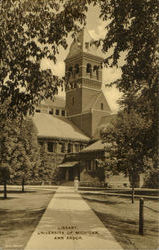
(84, 43)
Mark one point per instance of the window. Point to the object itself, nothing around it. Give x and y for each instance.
(95, 68)
(57, 111)
(50, 147)
(62, 147)
(70, 148)
(51, 111)
(102, 106)
(70, 71)
(89, 68)
(38, 110)
(76, 69)
(63, 112)
(86, 45)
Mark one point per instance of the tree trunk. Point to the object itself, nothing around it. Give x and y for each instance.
(5, 189)
(23, 185)
(133, 191)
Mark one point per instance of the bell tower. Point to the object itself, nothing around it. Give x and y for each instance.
(83, 72)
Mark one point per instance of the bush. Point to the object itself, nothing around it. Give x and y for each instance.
(152, 179)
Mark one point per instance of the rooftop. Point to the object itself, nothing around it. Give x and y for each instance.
(84, 43)
(58, 101)
(96, 146)
(56, 127)
(93, 101)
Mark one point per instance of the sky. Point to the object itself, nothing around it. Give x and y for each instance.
(96, 28)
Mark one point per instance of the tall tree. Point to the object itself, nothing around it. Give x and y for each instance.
(19, 148)
(30, 31)
(127, 140)
(7, 146)
(26, 156)
(133, 29)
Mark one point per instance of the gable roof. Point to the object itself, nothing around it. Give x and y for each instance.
(92, 103)
(96, 146)
(49, 126)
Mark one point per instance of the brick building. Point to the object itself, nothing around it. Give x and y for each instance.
(86, 104)
(66, 127)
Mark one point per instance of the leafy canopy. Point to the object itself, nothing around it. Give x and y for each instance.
(30, 31)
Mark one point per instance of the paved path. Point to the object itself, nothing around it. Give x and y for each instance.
(69, 224)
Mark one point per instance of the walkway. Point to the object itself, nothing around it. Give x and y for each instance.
(69, 224)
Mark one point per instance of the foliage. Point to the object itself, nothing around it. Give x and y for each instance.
(45, 171)
(8, 141)
(19, 147)
(4, 172)
(31, 31)
(127, 137)
(26, 160)
(99, 173)
(133, 29)
(152, 179)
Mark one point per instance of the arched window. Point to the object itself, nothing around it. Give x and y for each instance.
(96, 68)
(89, 68)
(102, 106)
(76, 68)
(70, 71)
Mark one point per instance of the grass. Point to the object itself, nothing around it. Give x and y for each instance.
(21, 212)
(120, 216)
(19, 215)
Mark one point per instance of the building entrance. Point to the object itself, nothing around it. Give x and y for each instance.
(71, 173)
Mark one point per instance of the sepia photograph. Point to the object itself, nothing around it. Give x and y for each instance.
(79, 123)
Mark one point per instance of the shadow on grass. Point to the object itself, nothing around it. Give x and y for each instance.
(8, 198)
(102, 201)
(115, 222)
(19, 191)
(24, 218)
(119, 228)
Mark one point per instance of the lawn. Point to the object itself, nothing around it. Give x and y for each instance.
(120, 216)
(19, 215)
